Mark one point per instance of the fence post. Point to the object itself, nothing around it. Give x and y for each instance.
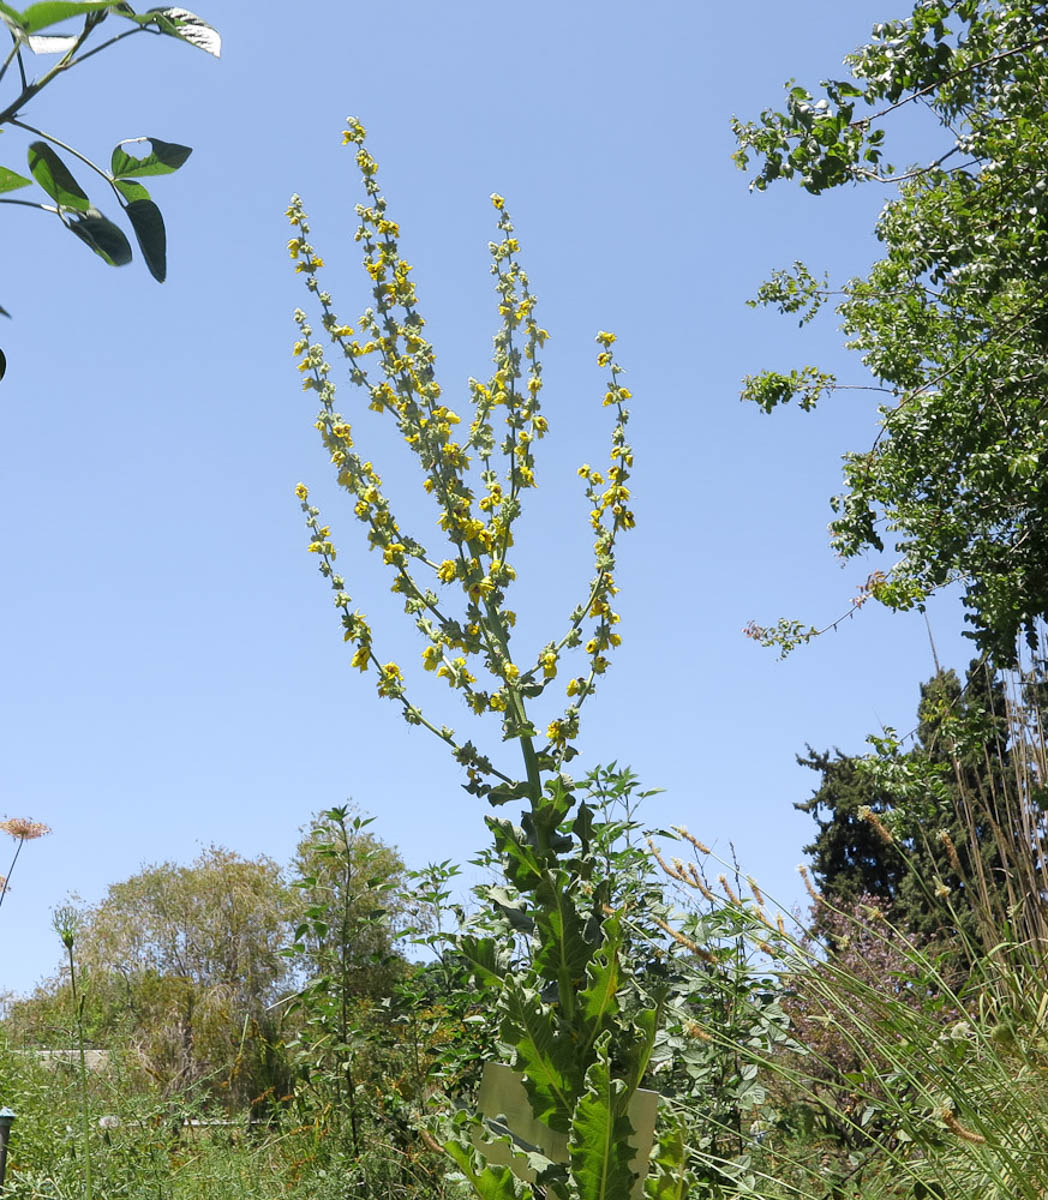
(6, 1117)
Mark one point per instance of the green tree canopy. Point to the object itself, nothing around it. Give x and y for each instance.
(952, 321)
(955, 817)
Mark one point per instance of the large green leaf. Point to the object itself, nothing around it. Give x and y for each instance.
(563, 953)
(483, 958)
(600, 1131)
(598, 1002)
(11, 180)
(105, 239)
(40, 16)
(489, 1183)
(55, 178)
(180, 23)
(550, 1073)
(148, 225)
(164, 158)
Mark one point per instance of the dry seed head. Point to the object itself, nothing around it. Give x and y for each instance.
(723, 881)
(696, 881)
(685, 941)
(808, 887)
(755, 890)
(24, 829)
(691, 838)
(867, 814)
(663, 865)
(951, 851)
(954, 1126)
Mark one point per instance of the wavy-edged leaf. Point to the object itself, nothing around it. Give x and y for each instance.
(599, 1148)
(644, 1028)
(10, 180)
(598, 1001)
(489, 1183)
(521, 865)
(164, 158)
(563, 953)
(551, 1074)
(107, 240)
(55, 178)
(181, 23)
(148, 225)
(483, 958)
(40, 16)
(669, 1178)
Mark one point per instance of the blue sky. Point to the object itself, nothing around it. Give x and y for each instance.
(173, 670)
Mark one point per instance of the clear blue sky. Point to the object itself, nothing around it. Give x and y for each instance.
(173, 671)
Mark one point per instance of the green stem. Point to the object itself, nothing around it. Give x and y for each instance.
(85, 1122)
(69, 149)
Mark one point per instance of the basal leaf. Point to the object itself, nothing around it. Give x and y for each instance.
(489, 1182)
(600, 1131)
(11, 180)
(598, 1001)
(181, 23)
(55, 178)
(148, 225)
(105, 239)
(164, 158)
(549, 1068)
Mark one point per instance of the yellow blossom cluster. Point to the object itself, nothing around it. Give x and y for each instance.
(477, 475)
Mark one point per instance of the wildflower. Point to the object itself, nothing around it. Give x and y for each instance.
(301, 491)
(498, 201)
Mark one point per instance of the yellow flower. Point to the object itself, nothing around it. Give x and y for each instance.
(511, 672)
(430, 657)
(604, 338)
(549, 663)
(301, 491)
(446, 571)
(498, 201)
(360, 659)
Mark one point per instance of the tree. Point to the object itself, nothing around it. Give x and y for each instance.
(957, 817)
(183, 963)
(71, 204)
(952, 321)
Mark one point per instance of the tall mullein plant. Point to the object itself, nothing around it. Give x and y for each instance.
(581, 1054)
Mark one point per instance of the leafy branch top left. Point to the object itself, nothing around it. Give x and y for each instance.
(31, 45)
